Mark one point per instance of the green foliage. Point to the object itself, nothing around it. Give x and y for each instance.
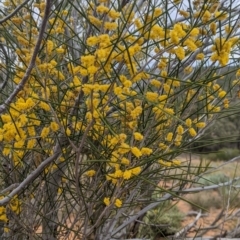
(223, 154)
(162, 221)
(212, 179)
(205, 200)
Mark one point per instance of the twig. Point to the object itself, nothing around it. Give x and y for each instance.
(219, 216)
(222, 165)
(183, 231)
(192, 213)
(166, 197)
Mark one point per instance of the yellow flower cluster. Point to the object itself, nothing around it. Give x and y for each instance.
(14, 205)
(107, 94)
(117, 202)
(126, 174)
(222, 49)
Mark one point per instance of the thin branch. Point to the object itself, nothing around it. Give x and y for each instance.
(30, 178)
(11, 187)
(204, 188)
(183, 231)
(166, 197)
(219, 216)
(7, 64)
(14, 12)
(33, 59)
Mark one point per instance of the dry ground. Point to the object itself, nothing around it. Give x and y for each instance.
(215, 221)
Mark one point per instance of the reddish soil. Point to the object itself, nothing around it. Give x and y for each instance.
(205, 224)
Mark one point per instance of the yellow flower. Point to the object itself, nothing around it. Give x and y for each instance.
(90, 173)
(91, 41)
(127, 174)
(221, 15)
(88, 60)
(222, 94)
(180, 130)
(49, 46)
(16, 20)
(194, 32)
(124, 148)
(192, 132)
(125, 161)
(60, 50)
(122, 137)
(136, 152)
(23, 119)
(188, 122)
(165, 163)
(178, 27)
(6, 118)
(110, 25)
(95, 21)
(102, 9)
(169, 137)
(176, 162)
(136, 170)
(30, 103)
(68, 131)
(146, 151)
(118, 174)
(113, 14)
(188, 69)
(45, 132)
(60, 190)
(180, 53)
(15, 205)
(44, 106)
(183, 13)
(118, 203)
(54, 126)
(190, 44)
(162, 146)
(226, 105)
(106, 201)
(19, 144)
(206, 16)
(3, 217)
(216, 109)
(156, 83)
(174, 37)
(102, 54)
(138, 136)
(31, 143)
(162, 98)
(92, 69)
(200, 56)
(152, 96)
(200, 124)
(213, 27)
